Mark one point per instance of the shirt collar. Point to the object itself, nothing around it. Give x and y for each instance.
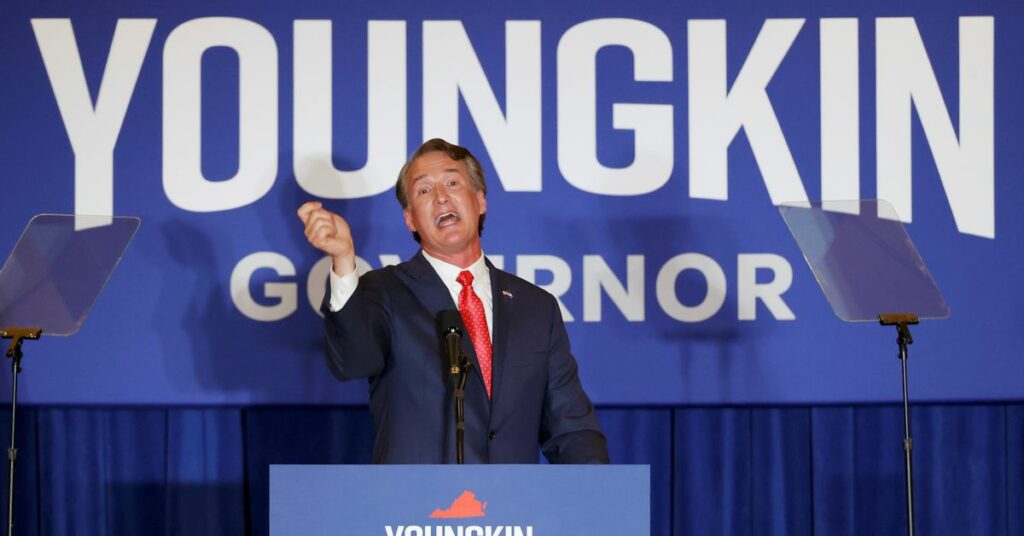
(449, 272)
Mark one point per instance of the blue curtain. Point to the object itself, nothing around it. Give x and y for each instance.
(735, 471)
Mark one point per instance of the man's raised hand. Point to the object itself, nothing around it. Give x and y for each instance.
(329, 233)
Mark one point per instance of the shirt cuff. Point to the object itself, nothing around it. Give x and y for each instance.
(342, 288)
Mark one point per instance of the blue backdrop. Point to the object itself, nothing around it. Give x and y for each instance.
(603, 142)
(634, 154)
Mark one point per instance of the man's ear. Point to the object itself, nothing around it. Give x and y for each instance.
(408, 220)
(481, 199)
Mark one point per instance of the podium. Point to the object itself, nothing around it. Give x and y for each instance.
(460, 500)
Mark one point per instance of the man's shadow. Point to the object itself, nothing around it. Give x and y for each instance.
(228, 352)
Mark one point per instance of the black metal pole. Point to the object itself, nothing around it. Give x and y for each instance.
(17, 336)
(460, 427)
(460, 410)
(902, 321)
(12, 453)
(908, 443)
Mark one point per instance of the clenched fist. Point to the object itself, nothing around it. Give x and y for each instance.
(329, 233)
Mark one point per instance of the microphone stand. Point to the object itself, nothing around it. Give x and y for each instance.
(458, 367)
(17, 336)
(460, 412)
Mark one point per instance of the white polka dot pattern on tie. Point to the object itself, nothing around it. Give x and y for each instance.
(472, 311)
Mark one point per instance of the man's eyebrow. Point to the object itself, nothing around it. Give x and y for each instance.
(424, 175)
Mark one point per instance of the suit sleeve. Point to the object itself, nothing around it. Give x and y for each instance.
(358, 336)
(570, 432)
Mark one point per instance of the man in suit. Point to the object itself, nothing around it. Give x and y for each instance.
(524, 389)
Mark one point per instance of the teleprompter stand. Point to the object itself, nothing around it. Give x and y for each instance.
(869, 270)
(17, 335)
(50, 282)
(903, 339)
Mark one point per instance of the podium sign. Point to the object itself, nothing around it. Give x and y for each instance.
(460, 500)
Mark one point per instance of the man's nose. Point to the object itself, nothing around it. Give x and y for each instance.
(440, 196)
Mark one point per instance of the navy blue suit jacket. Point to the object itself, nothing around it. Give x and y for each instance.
(388, 332)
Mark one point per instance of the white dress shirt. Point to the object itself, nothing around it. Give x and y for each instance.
(344, 286)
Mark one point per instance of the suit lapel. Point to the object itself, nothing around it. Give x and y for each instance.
(501, 315)
(427, 286)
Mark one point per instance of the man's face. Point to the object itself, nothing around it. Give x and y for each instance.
(444, 208)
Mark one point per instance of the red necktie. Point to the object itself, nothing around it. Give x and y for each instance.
(472, 311)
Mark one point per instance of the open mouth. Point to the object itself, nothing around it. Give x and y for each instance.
(446, 219)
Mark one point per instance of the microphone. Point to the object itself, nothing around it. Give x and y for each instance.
(451, 321)
(451, 329)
